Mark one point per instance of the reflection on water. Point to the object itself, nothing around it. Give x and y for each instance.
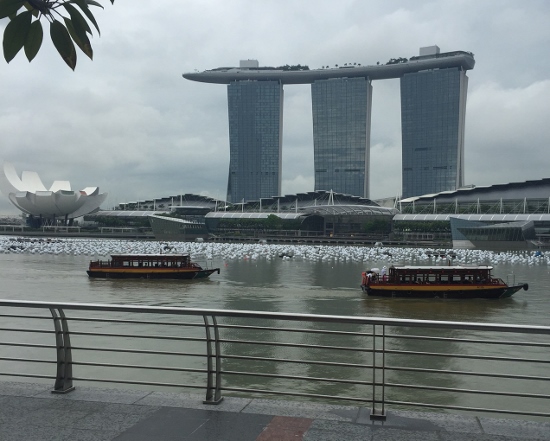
(295, 286)
(277, 285)
(482, 310)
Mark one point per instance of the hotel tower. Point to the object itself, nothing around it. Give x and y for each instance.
(433, 109)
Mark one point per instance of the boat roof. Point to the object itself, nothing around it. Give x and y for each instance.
(443, 267)
(148, 256)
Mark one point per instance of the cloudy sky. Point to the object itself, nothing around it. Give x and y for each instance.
(129, 123)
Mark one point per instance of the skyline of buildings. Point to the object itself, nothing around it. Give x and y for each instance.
(433, 106)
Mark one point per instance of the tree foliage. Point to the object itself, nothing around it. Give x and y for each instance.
(377, 226)
(69, 22)
(423, 226)
(397, 60)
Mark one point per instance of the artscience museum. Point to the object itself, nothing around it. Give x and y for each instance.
(47, 206)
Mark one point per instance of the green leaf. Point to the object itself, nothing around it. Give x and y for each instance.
(82, 41)
(15, 34)
(9, 7)
(33, 40)
(29, 7)
(94, 3)
(39, 7)
(80, 24)
(83, 5)
(63, 43)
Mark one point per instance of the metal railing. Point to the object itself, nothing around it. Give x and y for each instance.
(375, 362)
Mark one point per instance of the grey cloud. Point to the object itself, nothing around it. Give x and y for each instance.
(130, 124)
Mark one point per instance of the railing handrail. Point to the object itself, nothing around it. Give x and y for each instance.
(472, 326)
(366, 352)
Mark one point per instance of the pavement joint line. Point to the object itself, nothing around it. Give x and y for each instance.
(479, 424)
(400, 425)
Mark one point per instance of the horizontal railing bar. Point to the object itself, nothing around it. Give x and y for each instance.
(19, 374)
(295, 345)
(476, 374)
(43, 317)
(137, 351)
(465, 356)
(131, 322)
(298, 377)
(223, 326)
(467, 340)
(141, 383)
(468, 409)
(301, 330)
(297, 394)
(290, 360)
(233, 327)
(27, 345)
(469, 391)
(527, 329)
(35, 331)
(132, 366)
(27, 360)
(153, 337)
(87, 333)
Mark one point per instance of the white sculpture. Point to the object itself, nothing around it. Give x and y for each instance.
(29, 194)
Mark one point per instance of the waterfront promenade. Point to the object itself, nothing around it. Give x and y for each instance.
(30, 412)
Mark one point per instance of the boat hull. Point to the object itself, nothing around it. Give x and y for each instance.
(108, 273)
(445, 292)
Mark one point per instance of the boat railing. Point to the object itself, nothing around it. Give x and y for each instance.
(388, 281)
(378, 363)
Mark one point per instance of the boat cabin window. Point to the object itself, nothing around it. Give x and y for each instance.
(150, 261)
(443, 275)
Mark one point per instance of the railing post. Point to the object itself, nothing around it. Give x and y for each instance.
(64, 377)
(214, 379)
(378, 413)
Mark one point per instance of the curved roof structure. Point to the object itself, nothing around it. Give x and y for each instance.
(320, 210)
(253, 215)
(359, 210)
(226, 75)
(539, 188)
(29, 195)
(512, 217)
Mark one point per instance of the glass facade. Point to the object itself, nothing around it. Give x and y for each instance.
(341, 134)
(255, 139)
(493, 236)
(433, 110)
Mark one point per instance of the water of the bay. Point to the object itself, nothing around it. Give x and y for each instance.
(293, 286)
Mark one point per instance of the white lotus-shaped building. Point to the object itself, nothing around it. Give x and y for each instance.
(29, 194)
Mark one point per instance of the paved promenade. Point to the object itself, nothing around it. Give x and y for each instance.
(30, 412)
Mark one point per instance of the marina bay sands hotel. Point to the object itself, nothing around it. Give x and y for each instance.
(433, 110)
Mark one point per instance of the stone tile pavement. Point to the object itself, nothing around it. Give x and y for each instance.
(30, 412)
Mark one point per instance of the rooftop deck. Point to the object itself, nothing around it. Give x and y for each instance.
(459, 59)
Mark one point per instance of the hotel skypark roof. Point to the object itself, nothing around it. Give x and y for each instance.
(226, 75)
